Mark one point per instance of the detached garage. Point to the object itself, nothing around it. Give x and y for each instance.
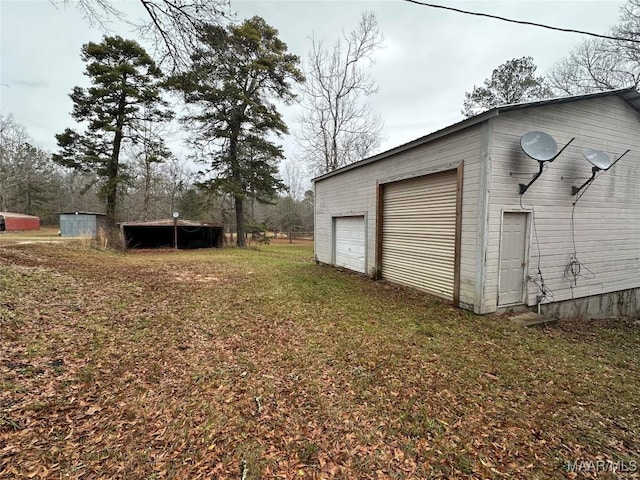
(476, 215)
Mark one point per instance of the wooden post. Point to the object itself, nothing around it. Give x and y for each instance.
(175, 229)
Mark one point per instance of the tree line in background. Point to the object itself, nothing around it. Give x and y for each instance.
(31, 183)
(595, 65)
(228, 86)
(227, 77)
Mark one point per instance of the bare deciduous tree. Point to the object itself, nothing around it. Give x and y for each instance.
(171, 24)
(27, 176)
(12, 137)
(293, 176)
(337, 125)
(597, 65)
(147, 153)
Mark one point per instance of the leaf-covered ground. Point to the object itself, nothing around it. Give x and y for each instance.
(257, 363)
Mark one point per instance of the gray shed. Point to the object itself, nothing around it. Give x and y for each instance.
(81, 224)
(446, 213)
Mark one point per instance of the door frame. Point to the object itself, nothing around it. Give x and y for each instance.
(527, 248)
(458, 167)
(334, 231)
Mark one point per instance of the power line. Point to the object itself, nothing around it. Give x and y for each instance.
(523, 22)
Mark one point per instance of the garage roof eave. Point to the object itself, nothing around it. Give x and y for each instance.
(630, 95)
(456, 127)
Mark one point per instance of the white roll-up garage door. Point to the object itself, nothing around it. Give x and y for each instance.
(419, 233)
(349, 245)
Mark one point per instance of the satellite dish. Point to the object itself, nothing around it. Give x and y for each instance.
(598, 159)
(539, 145)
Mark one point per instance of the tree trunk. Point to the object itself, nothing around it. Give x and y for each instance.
(240, 233)
(334, 137)
(112, 167)
(28, 195)
(237, 179)
(147, 188)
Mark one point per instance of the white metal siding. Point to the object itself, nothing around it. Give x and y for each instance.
(607, 217)
(350, 247)
(355, 191)
(418, 233)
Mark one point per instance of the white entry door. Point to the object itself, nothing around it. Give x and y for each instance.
(512, 258)
(349, 247)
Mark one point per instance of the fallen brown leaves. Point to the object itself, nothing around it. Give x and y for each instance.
(232, 363)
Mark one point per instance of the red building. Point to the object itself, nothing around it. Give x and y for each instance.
(18, 221)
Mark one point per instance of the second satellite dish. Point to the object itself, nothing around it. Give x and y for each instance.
(600, 162)
(598, 159)
(539, 145)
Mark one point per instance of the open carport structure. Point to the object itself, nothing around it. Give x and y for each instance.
(170, 233)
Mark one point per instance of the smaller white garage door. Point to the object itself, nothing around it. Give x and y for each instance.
(349, 244)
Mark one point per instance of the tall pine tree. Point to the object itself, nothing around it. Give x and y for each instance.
(232, 79)
(125, 91)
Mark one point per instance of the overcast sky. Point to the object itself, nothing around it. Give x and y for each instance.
(429, 60)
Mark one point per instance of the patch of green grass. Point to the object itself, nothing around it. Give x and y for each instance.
(11, 386)
(7, 423)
